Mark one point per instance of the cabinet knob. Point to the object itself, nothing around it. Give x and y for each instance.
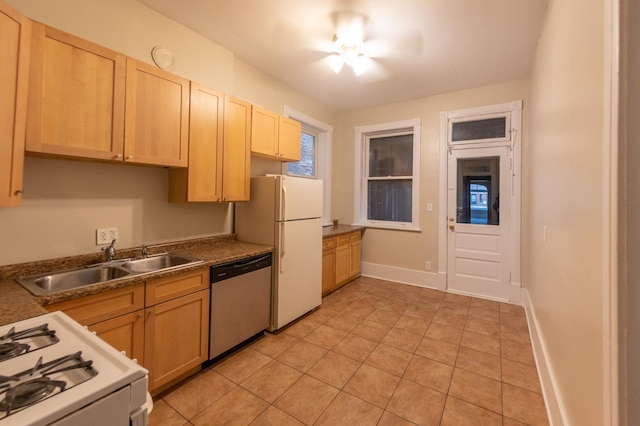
(18, 192)
(129, 157)
(117, 156)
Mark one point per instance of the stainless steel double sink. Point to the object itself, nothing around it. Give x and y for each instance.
(55, 282)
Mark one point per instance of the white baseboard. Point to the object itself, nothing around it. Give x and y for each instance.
(406, 276)
(555, 410)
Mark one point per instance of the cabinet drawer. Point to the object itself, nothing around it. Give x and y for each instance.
(348, 238)
(353, 237)
(328, 243)
(99, 307)
(168, 288)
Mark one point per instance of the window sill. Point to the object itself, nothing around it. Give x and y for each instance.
(390, 227)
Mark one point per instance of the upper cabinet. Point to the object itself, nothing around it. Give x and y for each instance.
(274, 136)
(236, 164)
(219, 151)
(76, 97)
(79, 92)
(157, 116)
(14, 73)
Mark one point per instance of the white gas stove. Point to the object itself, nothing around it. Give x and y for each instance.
(53, 371)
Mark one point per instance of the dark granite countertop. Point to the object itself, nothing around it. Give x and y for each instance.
(17, 303)
(335, 230)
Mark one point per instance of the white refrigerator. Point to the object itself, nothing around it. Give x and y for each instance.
(286, 212)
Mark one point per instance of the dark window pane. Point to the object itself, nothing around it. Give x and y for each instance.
(389, 200)
(391, 156)
(307, 164)
(491, 128)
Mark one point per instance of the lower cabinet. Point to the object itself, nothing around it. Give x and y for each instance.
(163, 323)
(328, 264)
(341, 260)
(176, 337)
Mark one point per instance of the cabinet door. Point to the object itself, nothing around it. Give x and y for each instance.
(202, 181)
(328, 270)
(14, 72)
(343, 256)
(236, 166)
(356, 257)
(76, 97)
(124, 333)
(290, 133)
(176, 337)
(264, 132)
(157, 116)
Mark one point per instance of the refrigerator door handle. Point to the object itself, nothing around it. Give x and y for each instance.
(283, 213)
(282, 246)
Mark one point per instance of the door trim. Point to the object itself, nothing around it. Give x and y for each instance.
(515, 109)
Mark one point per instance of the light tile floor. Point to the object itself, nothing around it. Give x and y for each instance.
(375, 353)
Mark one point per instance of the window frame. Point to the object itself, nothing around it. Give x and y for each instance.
(323, 148)
(361, 173)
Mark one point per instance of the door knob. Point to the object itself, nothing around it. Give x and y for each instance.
(452, 227)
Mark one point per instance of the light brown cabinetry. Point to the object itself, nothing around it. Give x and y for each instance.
(76, 97)
(164, 324)
(15, 40)
(348, 257)
(236, 149)
(211, 151)
(274, 136)
(157, 116)
(91, 102)
(176, 326)
(328, 264)
(116, 316)
(341, 260)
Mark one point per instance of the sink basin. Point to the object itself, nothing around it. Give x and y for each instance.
(45, 284)
(158, 262)
(67, 280)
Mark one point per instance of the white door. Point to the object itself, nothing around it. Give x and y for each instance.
(478, 221)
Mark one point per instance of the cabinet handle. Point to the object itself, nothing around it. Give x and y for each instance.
(129, 157)
(117, 156)
(18, 192)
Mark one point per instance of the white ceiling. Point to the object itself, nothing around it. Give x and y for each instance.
(426, 47)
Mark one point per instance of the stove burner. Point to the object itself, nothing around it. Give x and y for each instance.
(15, 343)
(12, 349)
(33, 385)
(26, 393)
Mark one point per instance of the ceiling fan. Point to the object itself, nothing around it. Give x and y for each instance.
(354, 39)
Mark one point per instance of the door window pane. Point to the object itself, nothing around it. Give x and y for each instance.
(478, 191)
(490, 128)
(307, 164)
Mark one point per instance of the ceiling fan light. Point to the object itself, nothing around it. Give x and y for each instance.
(359, 65)
(336, 62)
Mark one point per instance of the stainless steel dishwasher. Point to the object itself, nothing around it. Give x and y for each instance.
(240, 302)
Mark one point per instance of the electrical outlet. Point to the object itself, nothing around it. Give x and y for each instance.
(106, 235)
(427, 265)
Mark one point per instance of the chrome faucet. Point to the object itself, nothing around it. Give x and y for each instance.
(144, 251)
(109, 252)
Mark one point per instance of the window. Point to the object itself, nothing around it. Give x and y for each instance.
(389, 185)
(315, 156)
(307, 164)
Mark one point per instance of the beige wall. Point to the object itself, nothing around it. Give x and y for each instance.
(407, 249)
(65, 201)
(564, 190)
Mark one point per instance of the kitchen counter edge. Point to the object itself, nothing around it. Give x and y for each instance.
(336, 230)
